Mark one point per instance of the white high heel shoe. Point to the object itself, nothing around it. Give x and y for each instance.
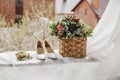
(50, 53)
(40, 51)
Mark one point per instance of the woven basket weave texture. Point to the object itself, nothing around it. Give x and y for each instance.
(74, 47)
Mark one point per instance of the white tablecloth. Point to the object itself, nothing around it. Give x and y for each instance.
(60, 69)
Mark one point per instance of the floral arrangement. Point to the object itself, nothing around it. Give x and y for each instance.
(70, 27)
(22, 55)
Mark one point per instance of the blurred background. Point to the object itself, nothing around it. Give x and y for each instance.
(23, 22)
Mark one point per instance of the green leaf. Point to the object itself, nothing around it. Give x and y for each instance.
(78, 31)
(68, 34)
(64, 23)
(53, 25)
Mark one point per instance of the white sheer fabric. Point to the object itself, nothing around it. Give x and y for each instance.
(105, 32)
(106, 43)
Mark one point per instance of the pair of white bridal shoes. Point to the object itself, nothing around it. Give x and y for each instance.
(44, 51)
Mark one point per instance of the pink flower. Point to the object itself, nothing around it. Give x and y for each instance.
(84, 31)
(59, 26)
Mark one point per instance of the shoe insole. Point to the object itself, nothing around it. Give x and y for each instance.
(50, 50)
(40, 50)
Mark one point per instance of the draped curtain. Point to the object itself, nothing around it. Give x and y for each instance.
(105, 43)
(105, 32)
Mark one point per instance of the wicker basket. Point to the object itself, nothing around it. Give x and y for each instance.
(74, 47)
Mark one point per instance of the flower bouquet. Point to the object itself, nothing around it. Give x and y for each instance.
(22, 55)
(72, 34)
